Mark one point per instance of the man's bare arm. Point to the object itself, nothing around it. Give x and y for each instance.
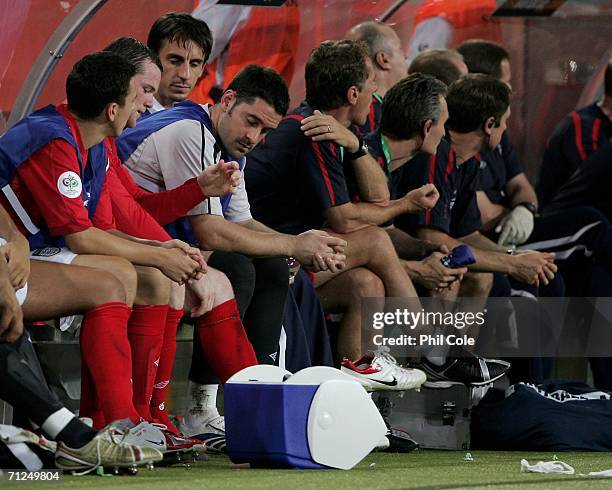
(529, 268)
(257, 240)
(519, 189)
(349, 217)
(408, 247)
(174, 263)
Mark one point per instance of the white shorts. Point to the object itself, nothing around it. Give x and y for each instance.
(53, 254)
(21, 293)
(59, 256)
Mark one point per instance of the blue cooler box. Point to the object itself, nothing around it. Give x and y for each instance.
(315, 419)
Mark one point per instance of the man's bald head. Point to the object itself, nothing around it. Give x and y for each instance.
(385, 50)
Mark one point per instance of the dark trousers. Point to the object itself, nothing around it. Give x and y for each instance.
(22, 383)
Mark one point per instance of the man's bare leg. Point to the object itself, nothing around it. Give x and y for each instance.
(56, 290)
(122, 269)
(343, 294)
(371, 248)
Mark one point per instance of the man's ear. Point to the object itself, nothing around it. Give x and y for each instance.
(427, 125)
(110, 111)
(227, 99)
(382, 60)
(352, 94)
(488, 125)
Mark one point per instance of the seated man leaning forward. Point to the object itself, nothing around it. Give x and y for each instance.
(297, 181)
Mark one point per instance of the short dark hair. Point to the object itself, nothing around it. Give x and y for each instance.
(608, 79)
(97, 80)
(180, 27)
(332, 68)
(255, 81)
(134, 51)
(473, 99)
(437, 63)
(409, 103)
(482, 56)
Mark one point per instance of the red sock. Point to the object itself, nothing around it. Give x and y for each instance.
(224, 340)
(164, 370)
(146, 334)
(105, 351)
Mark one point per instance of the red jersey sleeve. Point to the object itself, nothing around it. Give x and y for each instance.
(130, 217)
(52, 176)
(166, 206)
(103, 217)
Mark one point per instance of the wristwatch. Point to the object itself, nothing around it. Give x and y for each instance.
(531, 207)
(363, 150)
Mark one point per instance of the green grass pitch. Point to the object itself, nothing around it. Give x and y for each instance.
(422, 469)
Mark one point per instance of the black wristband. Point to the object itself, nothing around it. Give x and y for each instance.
(362, 151)
(531, 207)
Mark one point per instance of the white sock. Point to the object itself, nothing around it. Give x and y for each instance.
(56, 422)
(202, 402)
(437, 354)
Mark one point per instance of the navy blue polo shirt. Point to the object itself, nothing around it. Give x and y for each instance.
(590, 185)
(291, 180)
(497, 167)
(456, 212)
(579, 134)
(373, 121)
(377, 147)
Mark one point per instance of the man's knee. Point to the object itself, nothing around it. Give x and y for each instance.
(223, 288)
(153, 286)
(477, 284)
(378, 241)
(109, 288)
(366, 284)
(123, 271)
(177, 295)
(371, 243)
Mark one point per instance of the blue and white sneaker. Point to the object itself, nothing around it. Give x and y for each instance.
(210, 430)
(215, 443)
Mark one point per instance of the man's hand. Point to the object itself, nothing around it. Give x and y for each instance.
(11, 317)
(317, 251)
(333, 263)
(322, 127)
(434, 276)
(422, 199)
(178, 266)
(193, 252)
(431, 247)
(533, 267)
(200, 296)
(515, 227)
(220, 179)
(17, 255)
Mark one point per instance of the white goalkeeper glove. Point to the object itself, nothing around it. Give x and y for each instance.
(515, 227)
